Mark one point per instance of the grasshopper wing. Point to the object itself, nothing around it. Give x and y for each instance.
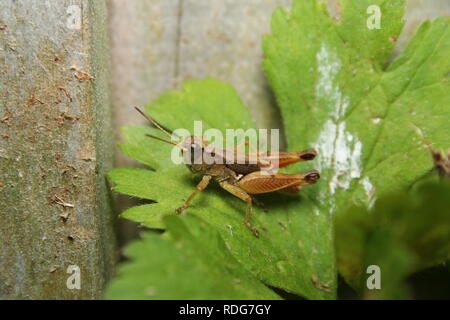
(286, 158)
(245, 163)
(261, 182)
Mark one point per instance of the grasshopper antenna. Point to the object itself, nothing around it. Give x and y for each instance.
(156, 124)
(166, 141)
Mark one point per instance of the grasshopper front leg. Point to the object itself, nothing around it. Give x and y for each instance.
(241, 194)
(201, 186)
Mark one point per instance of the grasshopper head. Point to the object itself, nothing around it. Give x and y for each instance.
(193, 148)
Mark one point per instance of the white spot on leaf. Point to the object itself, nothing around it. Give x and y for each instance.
(369, 188)
(376, 120)
(339, 150)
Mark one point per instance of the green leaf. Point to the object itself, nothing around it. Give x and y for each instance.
(193, 263)
(371, 124)
(404, 233)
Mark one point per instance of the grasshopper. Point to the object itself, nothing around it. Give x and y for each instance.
(242, 180)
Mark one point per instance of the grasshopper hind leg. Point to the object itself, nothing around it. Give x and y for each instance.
(241, 194)
(248, 215)
(260, 204)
